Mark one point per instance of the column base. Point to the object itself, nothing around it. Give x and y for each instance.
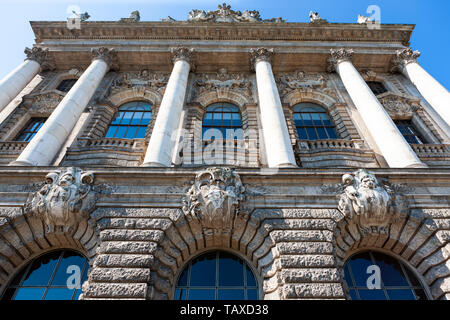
(417, 165)
(154, 165)
(21, 164)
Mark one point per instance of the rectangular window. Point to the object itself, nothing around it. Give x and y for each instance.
(30, 130)
(408, 131)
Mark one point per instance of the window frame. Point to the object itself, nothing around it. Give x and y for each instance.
(187, 266)
(376, 86)
(119, 125)
(222, 128)
(404, 265)
(63, 81)
(314, 127)
(416, 134)
(32, 132)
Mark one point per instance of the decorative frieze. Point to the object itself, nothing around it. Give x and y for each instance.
(372, 205)
(43, 104)
(222, 81)
(66, 199)
(215, 200)
(288, 82)
(142, 79)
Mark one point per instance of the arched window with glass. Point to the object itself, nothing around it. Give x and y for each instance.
(313, 122)
(131, 121)
(52, 276)
(222, 121)
(217, 275)
(372, 275)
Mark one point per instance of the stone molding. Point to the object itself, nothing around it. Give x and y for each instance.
(109, 56)
(41, 56)
(337, 56)
(260, 54)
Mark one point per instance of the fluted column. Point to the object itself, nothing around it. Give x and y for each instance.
(436, 95)
(275, 132)
(16, 80)
(162, 141)
(43, 148)
(395, 149)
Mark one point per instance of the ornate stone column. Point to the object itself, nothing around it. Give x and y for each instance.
(45, 145)
(275, 132)
(395, 149)
(162, 141)
(14, 82)
(436, 95)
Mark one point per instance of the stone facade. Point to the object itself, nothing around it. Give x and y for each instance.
(140, 209)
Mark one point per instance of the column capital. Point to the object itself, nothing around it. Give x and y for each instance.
(109, 56)
(337, 56)
(40, 56)
(183, 53)
(404, 57)
(260, 54)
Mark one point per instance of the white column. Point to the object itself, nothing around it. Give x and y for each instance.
(16, 80)
(162, 141)
(43, 148)
(436, 95)
(395, 149)
(275, 132)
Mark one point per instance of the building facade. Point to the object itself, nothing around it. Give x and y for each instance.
(223, 157)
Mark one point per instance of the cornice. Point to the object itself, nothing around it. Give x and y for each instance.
(398, 33)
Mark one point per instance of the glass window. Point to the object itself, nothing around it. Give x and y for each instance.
(222, 121)
(396, 281)
(313, 122)
(217, 275)
(409, 131)
(30, 130)
(131, 121)
(52, 276)
(376, 87)
(66, 85)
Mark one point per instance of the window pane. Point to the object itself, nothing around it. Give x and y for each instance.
(117, 118)
(252, 294)
(72, 260)
(353, 294)
(391, 273)
(59, 294)
(127, 118)
(322, 133)
(302, 133)
(29, 294)
(141, 132)
(404, 294)
(120, 133)
(251, 281)
(131, 132)
(202, 294)
(312, 135)
(331, 133)
(146, 117)
(231, 270)
(111, 132)
(231, 294)
(372, 294)
(182, 281)
(359, 265)
(203, 270)
(316, 119)
(307, 119)
(42, 270)
(77, 294)
(347, 276)
(136, 118)
(180, 294)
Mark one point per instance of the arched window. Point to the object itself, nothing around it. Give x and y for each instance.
(222, 119)
(394, 281)
(313, 122)
(376, 87)
(217, 275)
(53, 276)
(131, 121)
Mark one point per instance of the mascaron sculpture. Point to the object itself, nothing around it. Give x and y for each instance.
(371, 205)
(66, 199)
(214, 199)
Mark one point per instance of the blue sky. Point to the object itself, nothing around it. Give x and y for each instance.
(431, 36)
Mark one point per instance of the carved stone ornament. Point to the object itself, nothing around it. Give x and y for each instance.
(134, 17)
(144, 79)
(316, 19)
(260, 54)
(404, 57)
(66, 199)
(44, 103)
(398, 106)
(337, 56)
(225, 14)
(363, 19)
(39, 55)
(107, 55)
(371, 205)
(223, 81)
(214, 200)
(288, 82)
(182, 53)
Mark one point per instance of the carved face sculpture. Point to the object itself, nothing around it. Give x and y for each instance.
(368, 181)
(66, 180)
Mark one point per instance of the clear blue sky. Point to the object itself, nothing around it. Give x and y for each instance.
(431, 36)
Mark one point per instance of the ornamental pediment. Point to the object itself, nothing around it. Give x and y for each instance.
(399, 106)
(44, 102)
